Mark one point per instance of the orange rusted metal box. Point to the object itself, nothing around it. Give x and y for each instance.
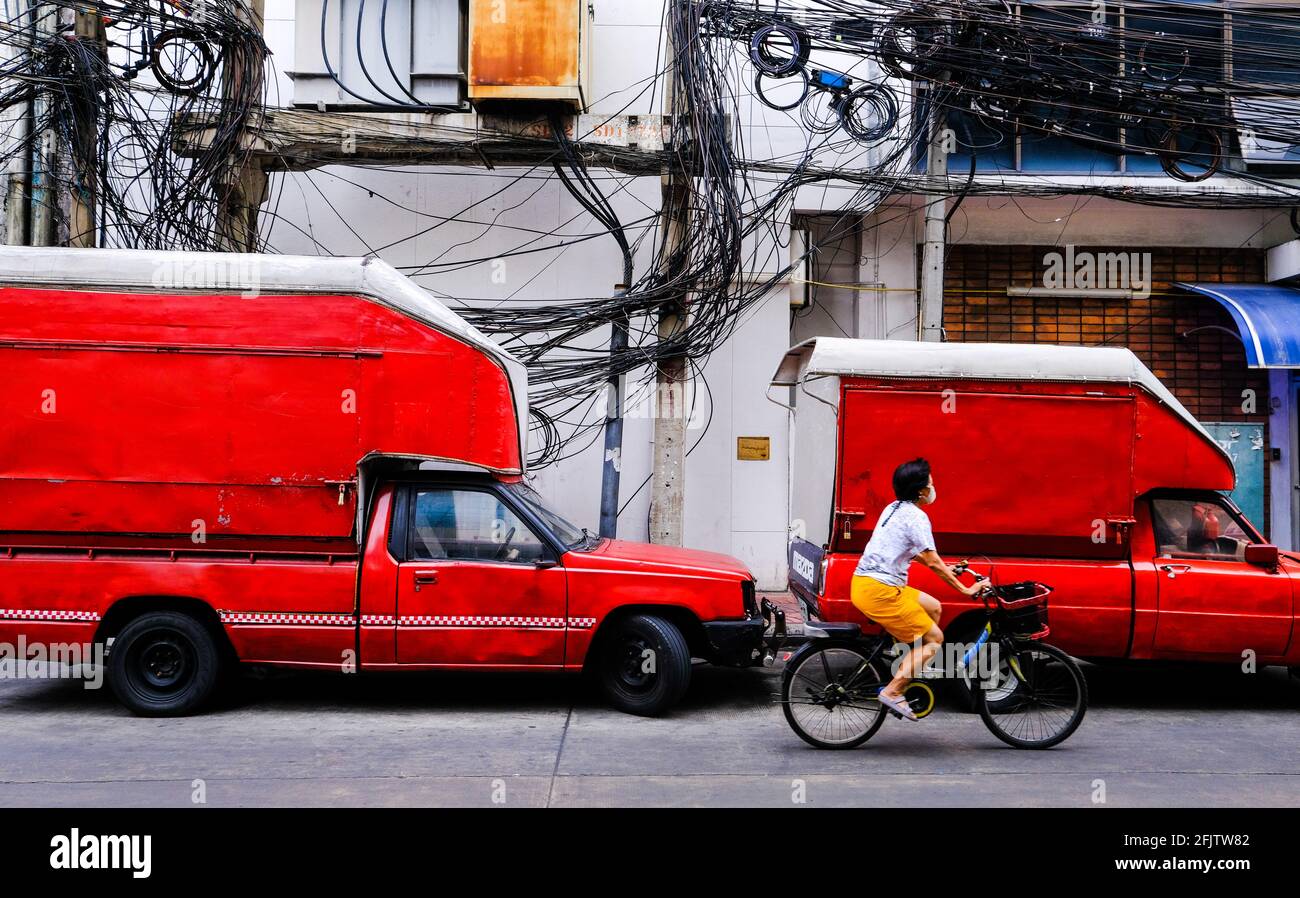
(529, 50)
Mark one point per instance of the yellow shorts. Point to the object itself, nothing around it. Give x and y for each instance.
(896, 608)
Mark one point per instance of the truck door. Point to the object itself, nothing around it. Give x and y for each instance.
(478, 586)
(1211, 601)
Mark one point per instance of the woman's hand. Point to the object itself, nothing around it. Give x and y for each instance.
(975, 588)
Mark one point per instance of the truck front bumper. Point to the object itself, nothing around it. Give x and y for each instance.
(736, 643)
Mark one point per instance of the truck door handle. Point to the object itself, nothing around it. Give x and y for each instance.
(425, 578)
(1173, 570)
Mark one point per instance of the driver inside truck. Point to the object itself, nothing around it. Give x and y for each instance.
(880, 591)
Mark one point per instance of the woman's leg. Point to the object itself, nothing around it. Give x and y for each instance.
(916, 659)
(931, 605)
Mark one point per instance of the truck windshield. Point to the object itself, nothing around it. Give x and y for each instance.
(570, 534)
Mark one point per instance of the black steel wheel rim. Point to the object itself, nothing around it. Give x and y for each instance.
(162, 662)
(630, 668)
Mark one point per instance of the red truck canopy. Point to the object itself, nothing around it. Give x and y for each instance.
(147, 391)
(1035, 448)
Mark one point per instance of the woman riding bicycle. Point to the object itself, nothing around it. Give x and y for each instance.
(880, 589)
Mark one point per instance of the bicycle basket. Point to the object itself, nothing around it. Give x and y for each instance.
(1026, 592)
(1024, 608)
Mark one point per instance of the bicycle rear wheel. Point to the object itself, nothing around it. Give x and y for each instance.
(829, 695)
(1048, 705)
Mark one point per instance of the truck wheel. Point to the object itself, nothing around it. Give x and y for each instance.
(645, 665)
(163, 664)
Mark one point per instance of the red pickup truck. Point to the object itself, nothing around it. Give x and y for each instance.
(211, 460)
(1071, 466)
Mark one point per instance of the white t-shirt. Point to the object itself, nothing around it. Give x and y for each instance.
(902, 532)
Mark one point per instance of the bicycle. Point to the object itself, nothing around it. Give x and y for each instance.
(830, 686)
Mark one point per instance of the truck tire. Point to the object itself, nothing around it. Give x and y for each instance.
(163, 664)
(644, 665)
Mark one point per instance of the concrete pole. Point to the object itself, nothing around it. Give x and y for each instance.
(14, 137)
(82, 215)
(668, 475)
(247, 184)
(44, 151)
(668, 499)
(930, 306)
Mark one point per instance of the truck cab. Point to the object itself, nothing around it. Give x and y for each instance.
(485, 574)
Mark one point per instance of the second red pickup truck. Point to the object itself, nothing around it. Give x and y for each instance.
(211, 460)
(1071, 466)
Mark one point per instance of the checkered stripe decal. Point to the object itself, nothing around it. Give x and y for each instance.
(477, 621)
(257, 617)
(385, 620)
(30, 614)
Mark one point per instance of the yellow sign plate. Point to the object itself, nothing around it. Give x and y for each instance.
(753, 448)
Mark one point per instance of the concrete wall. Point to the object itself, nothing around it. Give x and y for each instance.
(733, 506)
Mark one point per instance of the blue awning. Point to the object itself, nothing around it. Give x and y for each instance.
(1267, 317)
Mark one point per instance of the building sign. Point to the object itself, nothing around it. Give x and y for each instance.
(753, 448)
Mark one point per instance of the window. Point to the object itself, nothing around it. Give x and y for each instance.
(1198, 528)
(470, 525)
(571, 535)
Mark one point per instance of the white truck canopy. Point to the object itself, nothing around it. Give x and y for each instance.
(842, 357)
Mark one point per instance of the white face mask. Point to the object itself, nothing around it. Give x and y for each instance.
(934, 494)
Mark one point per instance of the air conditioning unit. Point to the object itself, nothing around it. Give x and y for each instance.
(530, 50)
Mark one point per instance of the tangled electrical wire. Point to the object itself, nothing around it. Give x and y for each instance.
(1151, 85)
(152, 102)
(157, 117)
(1155, 82)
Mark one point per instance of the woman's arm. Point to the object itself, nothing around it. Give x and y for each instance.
(930, 558)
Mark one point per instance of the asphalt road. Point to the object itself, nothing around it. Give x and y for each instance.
(1188, 737)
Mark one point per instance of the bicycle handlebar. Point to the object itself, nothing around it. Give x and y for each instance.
(963, 567)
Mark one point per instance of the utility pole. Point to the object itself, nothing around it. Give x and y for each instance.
(82, 205)
(15, 127)
(246, 182)
(667, 499)
(930, 311)
(45, 143)
(613, 466)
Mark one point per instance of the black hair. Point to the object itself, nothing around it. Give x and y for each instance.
(910, 478)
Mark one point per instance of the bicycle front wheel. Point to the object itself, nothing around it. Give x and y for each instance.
(830, 695)
(1048, 703)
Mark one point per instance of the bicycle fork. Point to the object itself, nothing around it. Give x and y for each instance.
(984, 637)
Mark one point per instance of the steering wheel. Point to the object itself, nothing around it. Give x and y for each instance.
(505, 546)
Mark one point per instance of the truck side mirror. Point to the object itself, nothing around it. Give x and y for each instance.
(1262, 554)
